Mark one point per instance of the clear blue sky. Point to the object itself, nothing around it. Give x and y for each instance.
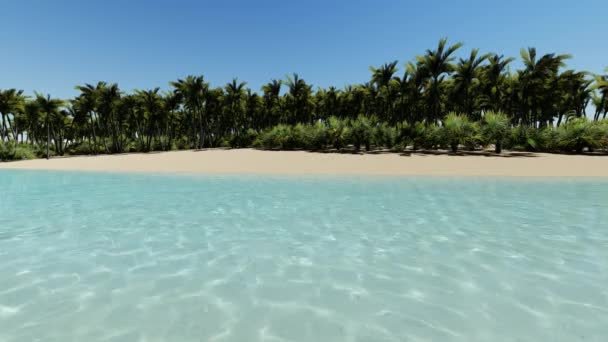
(50, 46)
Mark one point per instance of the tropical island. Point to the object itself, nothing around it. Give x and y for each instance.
(437, 104)
(399, 186)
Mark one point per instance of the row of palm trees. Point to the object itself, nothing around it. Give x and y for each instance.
(193, 114)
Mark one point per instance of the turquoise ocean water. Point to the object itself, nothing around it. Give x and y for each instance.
(105, 257)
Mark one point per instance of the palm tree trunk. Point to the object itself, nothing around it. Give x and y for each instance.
(48, 136)
(2, 128)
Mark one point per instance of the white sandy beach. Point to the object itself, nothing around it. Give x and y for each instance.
(249, 161)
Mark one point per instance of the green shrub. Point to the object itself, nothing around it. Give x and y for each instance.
(474, 138)
(402, 135)
(579, 133)
(522, 138)
(24, 151)
(82, 148)
(494, 129)
(16, 151)
(418, 134)
(278, 137)
(159, 145)
(426, 136)
(299, 136)
(40, 151)
(244, 139)
(603, 127)
(546, 139)
(317, 136)
(457, 130)
(385, 135)
(361, 133)
(337, 132)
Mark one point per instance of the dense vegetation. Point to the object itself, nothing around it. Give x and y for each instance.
(437, 102)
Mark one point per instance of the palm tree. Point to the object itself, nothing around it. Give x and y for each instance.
(234, 104)
(11, 103)
(150, 105)
(298, 99)
(384, 74)
(601, 105)
(193, 90)
(32, 122)
(574, 93)
(171, 102)
(435, 65)
(409, 104)
(412, 105)
(535, 78)
(465, 78)
(493, 82)
(108, 102)
(50, 107)
(272, 102)
(254, 113)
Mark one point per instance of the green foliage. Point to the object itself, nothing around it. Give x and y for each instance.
(494, 129)
(580, 133)
(300, 136)
(361, 132)
(281, 137)
(245, 139)
(474, 138)
(394, 109)
(425, 136)
(82, 148)
(546, 139)
(317, 136)
(182, 143)
(16, 151)
(522, 138)
(385, 135)
(337, 132)
(402, 135)
(457, 130)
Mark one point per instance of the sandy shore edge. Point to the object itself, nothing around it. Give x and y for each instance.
(250, 161)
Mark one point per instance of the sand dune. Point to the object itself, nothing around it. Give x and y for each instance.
(249, 161)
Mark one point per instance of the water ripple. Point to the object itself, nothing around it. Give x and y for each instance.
(87, 257)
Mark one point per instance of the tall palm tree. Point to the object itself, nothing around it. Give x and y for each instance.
(465, 78)
(87, 105)
(234, 104)
(436, 64)
(574, 93)
(193, 90)
(150, 107)
(32, 121)
(493, 82)
(11, 103)
(195, 115)
(49, 107)
(601, 103)
(108, 103)
(171, 103)
(272, 102)
(384, 74)
(298, 99)
(535, 78)
(254, 113)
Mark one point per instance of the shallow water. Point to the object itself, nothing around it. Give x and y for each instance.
(103, 257)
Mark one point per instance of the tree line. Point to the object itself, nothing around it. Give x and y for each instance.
(540, 96)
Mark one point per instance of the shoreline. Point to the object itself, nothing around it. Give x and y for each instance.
(258, 162)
